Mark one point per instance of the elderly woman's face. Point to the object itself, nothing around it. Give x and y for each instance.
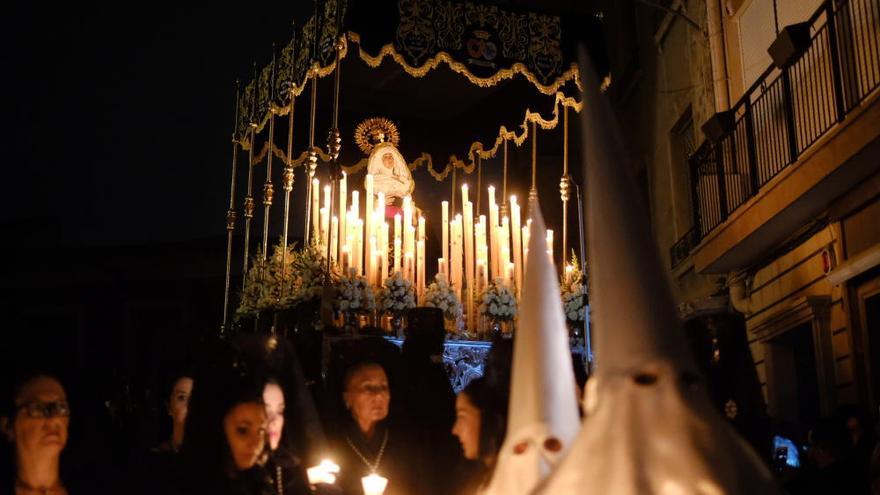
(245, 428)
(388, 160)
(42, 418)
(367, 394)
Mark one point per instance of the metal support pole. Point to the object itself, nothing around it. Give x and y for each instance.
(564, 186)
(230, 216)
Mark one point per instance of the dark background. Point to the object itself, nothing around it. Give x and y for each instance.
(117, 152)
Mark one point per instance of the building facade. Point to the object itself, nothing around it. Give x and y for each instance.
(755, 131)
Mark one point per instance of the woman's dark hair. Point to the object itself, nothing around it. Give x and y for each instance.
(493, 418)
(172, 377)
(218, 387)
(161, 401)
(14, 388)
(302, 439)
(291, 445)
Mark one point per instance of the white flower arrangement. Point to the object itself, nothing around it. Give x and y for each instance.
(263, 284)
(397, 294)
(574, 292)
(440, 294)
(353, 293)
(309, 269)
(497, 302)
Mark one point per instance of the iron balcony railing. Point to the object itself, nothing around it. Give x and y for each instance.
(785, 111)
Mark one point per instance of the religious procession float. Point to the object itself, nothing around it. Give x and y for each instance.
(444, 124)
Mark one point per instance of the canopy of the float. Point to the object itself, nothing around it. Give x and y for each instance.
(457, 78)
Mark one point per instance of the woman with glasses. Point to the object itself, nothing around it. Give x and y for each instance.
(35, 423)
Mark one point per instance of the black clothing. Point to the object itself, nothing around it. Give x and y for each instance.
(399, 462)
(287, 471)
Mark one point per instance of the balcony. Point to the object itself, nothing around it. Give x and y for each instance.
(802, 135)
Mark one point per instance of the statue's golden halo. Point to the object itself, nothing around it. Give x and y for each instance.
(374, 131)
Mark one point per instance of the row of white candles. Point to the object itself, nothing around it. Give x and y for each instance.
(362, 243)
(475, 253)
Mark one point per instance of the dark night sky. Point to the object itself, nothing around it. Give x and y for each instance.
(121, 116)
(118, 115)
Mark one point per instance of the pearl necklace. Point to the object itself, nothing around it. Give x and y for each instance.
(278, 480)
(373, 466)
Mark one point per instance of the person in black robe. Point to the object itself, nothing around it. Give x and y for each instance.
(427, 398)
(367, 442)
(224, 448)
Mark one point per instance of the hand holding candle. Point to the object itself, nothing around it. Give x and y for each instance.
(374, 484)
(325, 472)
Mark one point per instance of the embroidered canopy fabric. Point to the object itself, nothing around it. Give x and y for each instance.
(458, 79)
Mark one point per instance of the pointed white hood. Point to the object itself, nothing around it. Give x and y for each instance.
(650, 428)
(543, 416)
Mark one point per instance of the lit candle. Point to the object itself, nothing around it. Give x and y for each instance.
(455, 267)
(353, 227)
(407, 223)
(374, 484)
(383, 252)
(343, 197)
(495, 248)
(420, 267)
(316, 219)
(397, 260)
(325, 472)
(482, 246)
(408, 266)
(493, 221)
(371, 266)
(359, 241)
(441, 266)
(378, 270)
(445, 238)
(368, 220)
(517, 243)
(505, 231)
(327, 197)
(410, 250)
(469, 264)
(397, 242)
(509, 277)
(334, 237)
(325, 229)
(525, 240)
(345, 258)
(550, 244)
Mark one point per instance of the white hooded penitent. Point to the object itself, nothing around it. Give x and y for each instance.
(649, 427)
(543, 419)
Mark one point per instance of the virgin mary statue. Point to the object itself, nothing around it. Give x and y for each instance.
(390, 173)
(379, 137)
